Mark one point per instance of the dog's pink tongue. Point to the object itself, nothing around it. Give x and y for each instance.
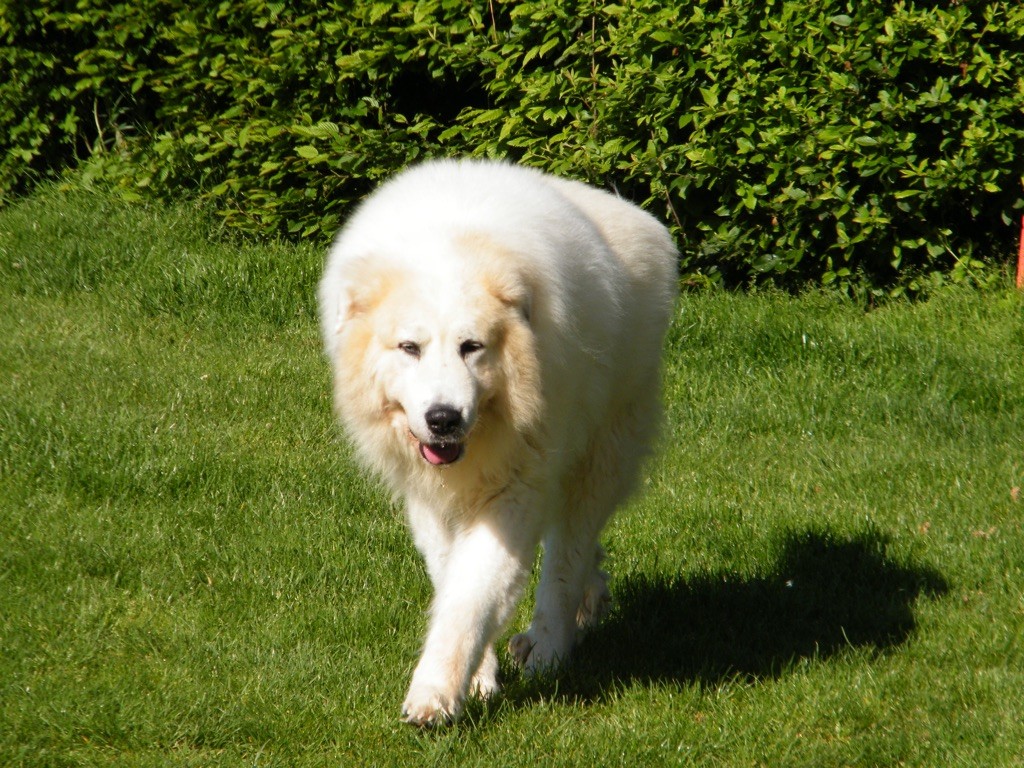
(440, 454)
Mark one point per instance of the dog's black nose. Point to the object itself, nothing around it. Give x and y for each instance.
(443, 420)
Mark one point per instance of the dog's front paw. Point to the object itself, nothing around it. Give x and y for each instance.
(484, 684)
(427, 706)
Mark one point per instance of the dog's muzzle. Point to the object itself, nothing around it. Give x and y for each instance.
(447, 428)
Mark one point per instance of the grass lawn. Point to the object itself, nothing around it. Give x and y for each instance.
(825, 568)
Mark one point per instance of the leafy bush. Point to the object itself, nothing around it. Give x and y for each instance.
(863, 145)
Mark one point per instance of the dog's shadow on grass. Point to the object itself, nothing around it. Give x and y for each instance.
(823, 594)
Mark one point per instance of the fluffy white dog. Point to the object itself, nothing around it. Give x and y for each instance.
(495, 336)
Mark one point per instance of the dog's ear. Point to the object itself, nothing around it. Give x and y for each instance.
(524, 395)
(523, 302)
(515, 292)
(366, 281)
(350, 288)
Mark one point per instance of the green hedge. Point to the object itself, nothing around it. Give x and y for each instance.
(867, 145)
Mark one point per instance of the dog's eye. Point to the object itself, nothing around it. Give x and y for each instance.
(470, 346)
(410, 348)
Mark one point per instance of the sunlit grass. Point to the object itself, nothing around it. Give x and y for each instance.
(824, 567)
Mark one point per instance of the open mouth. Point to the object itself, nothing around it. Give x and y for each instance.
(439, 454)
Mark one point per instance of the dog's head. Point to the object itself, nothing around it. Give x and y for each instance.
(436, 357)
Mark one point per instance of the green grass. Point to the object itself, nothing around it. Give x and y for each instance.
(825, 568)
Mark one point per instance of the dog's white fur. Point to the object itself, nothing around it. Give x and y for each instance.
(531, 310)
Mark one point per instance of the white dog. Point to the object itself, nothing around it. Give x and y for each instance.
(495, 336)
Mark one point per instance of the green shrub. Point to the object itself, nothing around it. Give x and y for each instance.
(871, 146)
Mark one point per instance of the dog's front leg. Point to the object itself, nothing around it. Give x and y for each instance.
(485, 572)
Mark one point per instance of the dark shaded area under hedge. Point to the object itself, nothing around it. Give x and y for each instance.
(870, 146)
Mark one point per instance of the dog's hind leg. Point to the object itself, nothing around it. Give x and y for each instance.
(572, 595)
(597, 600)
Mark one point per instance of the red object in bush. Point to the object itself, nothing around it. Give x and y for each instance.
(1020, 256)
